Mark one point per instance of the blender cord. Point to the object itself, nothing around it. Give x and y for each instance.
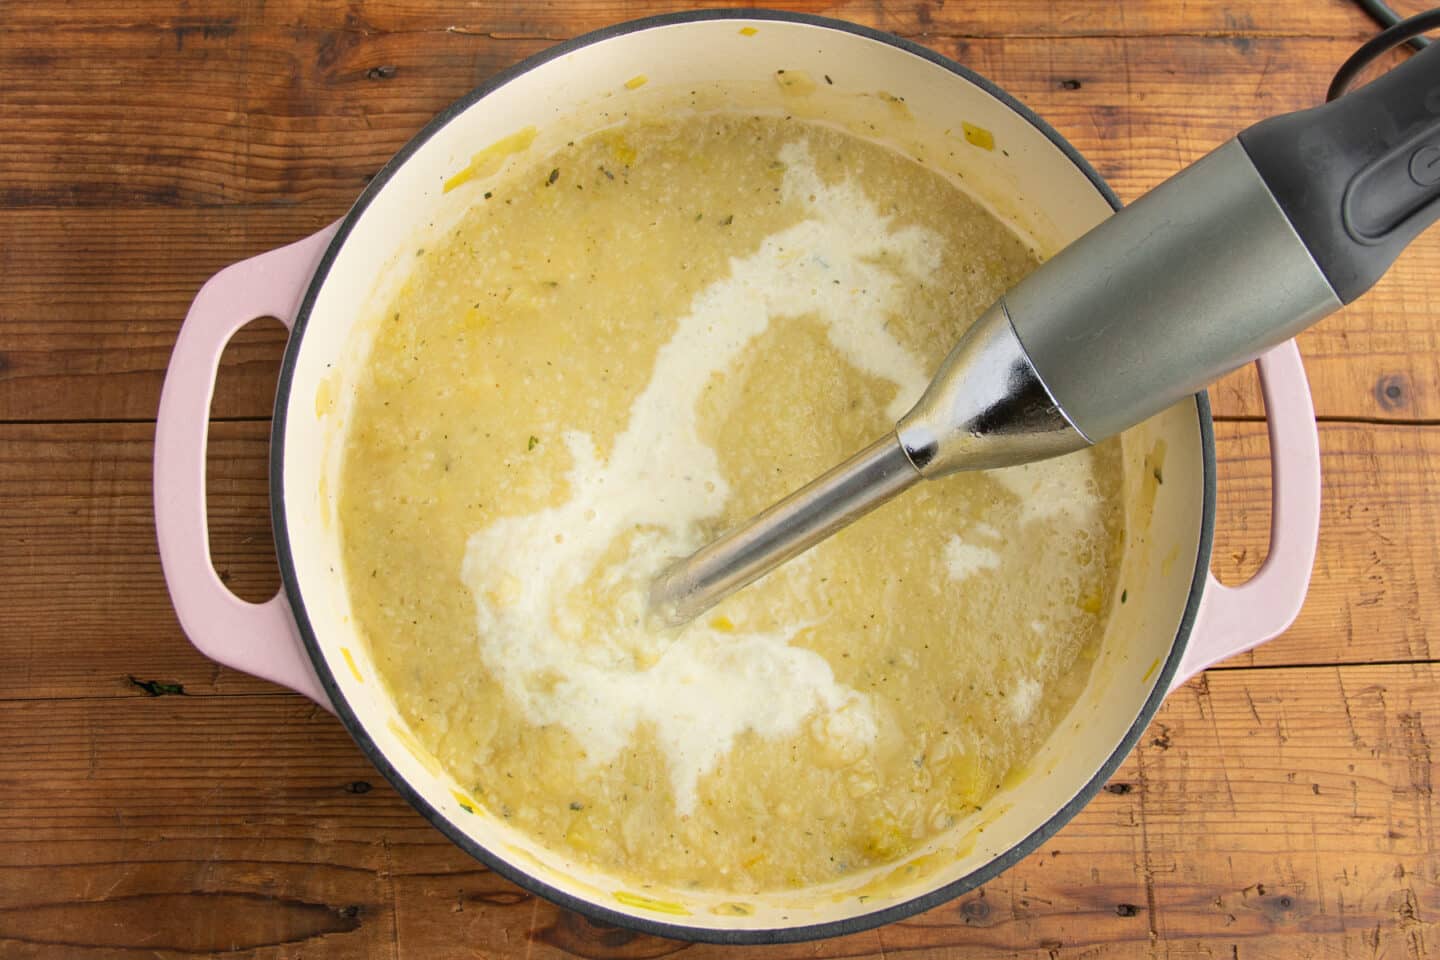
(1385, 15)
(1400, 31)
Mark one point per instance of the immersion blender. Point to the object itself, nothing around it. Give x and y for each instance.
(1295, 217)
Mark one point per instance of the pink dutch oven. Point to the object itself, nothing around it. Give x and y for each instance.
(1177, 620)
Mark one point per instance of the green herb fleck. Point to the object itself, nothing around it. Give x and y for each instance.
(554, 175)
(534, 442)
(1124, 595)
(576, 805)
(488, 194)
(1159, 477)
(729, 219)
(157, 688)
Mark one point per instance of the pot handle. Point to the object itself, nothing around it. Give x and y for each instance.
(257, 638)
(1235, 619)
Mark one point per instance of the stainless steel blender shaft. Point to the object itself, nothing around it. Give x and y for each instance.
(790, 527)
(985, 408)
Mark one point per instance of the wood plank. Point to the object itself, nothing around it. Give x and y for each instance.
(86, 608)
(92, 298)
(282, 115)
(1374, 593)
(210, 830)
(263, 115)
(99, 265)
(1267, 813)
(558, 21)
(1273, 810)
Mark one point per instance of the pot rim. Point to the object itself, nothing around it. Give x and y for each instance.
(497, 863)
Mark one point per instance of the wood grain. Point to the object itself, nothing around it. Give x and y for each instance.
(209, 148)
(87, 608)
(1375, 592)
(92, 299)
(1278, 813)
(555, 21)
(153, 804)
(270, 114)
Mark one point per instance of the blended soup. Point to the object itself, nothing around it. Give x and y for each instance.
(621, 351)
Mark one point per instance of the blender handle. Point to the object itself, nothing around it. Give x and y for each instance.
(1286, 223)
(1359, 177)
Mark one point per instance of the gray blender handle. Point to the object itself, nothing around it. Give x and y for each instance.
(1298, 215)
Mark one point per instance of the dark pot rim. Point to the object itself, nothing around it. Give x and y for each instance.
(497, 863)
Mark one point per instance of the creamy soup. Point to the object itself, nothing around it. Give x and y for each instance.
(622, 350)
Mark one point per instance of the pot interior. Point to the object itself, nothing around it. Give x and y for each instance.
(873, 88)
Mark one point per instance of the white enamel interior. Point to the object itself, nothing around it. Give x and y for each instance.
(1026, 178)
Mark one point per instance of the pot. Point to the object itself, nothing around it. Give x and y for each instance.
(1175, 621)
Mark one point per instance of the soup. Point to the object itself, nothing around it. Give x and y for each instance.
(622, 350)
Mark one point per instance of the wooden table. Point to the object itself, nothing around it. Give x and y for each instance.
(153, 804)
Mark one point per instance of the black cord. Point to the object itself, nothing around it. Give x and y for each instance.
(1385, 15)
(1390, 38)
